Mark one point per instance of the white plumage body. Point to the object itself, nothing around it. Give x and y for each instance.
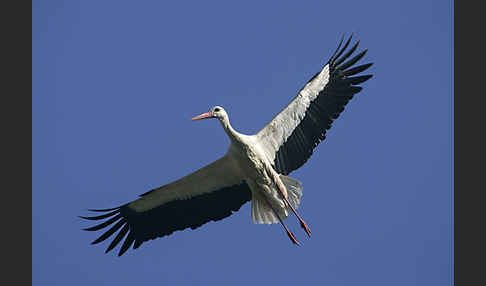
(250, 159)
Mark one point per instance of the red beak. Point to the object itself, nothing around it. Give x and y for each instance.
(204, 116)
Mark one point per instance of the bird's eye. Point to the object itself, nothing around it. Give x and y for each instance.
(216, 109)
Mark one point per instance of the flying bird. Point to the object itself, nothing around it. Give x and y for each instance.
(254, 168)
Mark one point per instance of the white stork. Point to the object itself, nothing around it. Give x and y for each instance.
(254, 168)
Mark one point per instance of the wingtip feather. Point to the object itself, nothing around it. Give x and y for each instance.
(337, 49)
(100, 216)
(352, 61)
(343, 49)
(104, 210)
(117, 239)
(104, 224)
(357, 69)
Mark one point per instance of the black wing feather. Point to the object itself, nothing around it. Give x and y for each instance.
(118, 237)
(172, 216)
(324, 109)
(104, 224)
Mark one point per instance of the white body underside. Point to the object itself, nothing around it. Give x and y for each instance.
(251, 163)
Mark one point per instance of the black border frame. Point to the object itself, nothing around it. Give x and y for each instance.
(16, 227)
(468, 234)
(17, 121)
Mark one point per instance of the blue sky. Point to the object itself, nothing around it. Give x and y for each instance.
(115, 83)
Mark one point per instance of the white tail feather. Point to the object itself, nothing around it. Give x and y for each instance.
(261, 213)
(294, 190)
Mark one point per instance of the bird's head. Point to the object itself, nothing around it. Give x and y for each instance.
(215, 112)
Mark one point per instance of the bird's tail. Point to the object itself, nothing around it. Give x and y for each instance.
(294, 190)
(262, 213)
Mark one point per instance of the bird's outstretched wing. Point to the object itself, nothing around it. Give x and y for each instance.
(211, 193)
(290, 137)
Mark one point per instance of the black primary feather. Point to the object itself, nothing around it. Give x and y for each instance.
(324, 109)
(139, 227)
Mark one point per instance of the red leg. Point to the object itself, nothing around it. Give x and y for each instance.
(302, 222)
(289, 233)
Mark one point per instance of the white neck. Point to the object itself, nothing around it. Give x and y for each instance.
(232, 134)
